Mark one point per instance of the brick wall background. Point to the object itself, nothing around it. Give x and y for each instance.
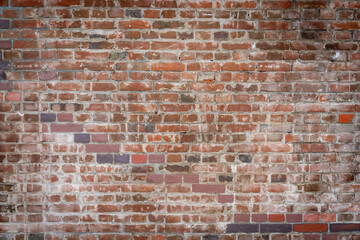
(187, 119)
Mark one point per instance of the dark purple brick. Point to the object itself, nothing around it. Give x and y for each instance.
(4, 65)
(82, 138)
(5, 44)
(2, 76)
(242, 228)
(105, 158)
(344, 227)
(5, 86)
(48, 117)
(4, 24)
(275, 228)
(157, 158)
(121, 158)
(211, 237)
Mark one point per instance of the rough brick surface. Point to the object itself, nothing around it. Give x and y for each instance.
(179, 119)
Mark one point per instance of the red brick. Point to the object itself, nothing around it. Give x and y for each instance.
(138, 159)
(328, 217)
(276, 217)
(26, 3)
(134, 24)
(346, 118)
(62, 3)
(13, 96)
(176, 67)
(311, 227)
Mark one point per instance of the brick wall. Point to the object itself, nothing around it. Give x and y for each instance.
(187, 119)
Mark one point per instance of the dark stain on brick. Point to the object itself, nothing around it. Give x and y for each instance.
(2, 76)
(168, 24)
(177, 168)
(142, 169)
(117, 55)
(312, 187)
(186, 35)
(133, 13)
(223, 178)
(192, 158)
(245, 158)
(149, 127)
(187, 98)
(209, 159)
(221, 35)
(95, 45)
(132, 127)
(36, 236)
(278, 178)
(211, 237)
(10, 208)
(92, 36)
(308, 34)
(77, 107)
(139, 198)
(355, 88)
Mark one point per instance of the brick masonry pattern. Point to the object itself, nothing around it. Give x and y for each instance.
(179, 119)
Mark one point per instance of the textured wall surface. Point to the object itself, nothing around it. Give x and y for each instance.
(187, 119)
